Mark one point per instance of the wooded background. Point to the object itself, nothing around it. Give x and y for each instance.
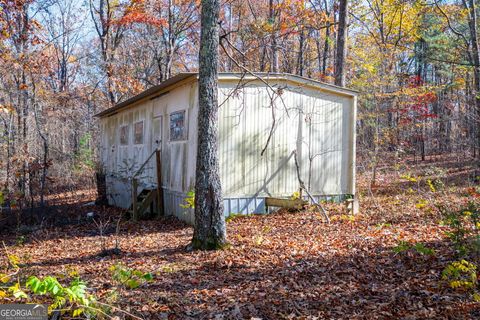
(415, 62)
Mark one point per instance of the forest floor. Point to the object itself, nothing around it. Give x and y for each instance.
(286, 265)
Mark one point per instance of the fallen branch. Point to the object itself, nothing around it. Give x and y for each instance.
(303, 187)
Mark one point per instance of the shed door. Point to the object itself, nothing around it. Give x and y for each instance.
(157, 133)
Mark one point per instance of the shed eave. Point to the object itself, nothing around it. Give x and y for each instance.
(185, 77)
(163, 87)
(289, 78)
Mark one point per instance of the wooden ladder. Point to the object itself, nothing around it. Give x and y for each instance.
(144, 200)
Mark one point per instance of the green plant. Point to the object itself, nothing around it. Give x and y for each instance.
(17, 292)
(168, 268)
(401, 247)
(189, 200)
(72, 299)
(420, 248)
(258, 240)
(383, 225)
(20, 240)
(295, 196)
(84, 155)
(421, 204)
(74, 294)
(461, 275)
(464, 228)
(409, 177)
(129, 278)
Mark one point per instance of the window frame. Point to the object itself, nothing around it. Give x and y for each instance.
(135, 132)
(185, 126)
(127, 135)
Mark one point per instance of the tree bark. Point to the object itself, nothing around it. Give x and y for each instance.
(472, 9)
(341, 43)
(326, 46)
(209, 229)
(301, 48)
(273, 37)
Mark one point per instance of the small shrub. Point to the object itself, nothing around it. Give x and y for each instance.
(420, 248)
(75, 294)
(129, 278)
(189, 200)
(72, 299)
(423, 250)
(295, 196)
(461, 275)
(421, 204)
(84, 156)
(464, 228)
(344, 217)
(409, 177)
(258, 240)
(401, 247)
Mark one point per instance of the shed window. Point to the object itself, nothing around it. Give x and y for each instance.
(177, 126)
(138, 132)
(124, 135)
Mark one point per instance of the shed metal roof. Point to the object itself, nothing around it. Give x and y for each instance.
(267, 77)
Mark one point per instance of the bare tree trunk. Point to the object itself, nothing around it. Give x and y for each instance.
(476, 62)
(209, 229)
(326, 49)
(274, 57)
(300, 60)
(341, 43)
(326, 45)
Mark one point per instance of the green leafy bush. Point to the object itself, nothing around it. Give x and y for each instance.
(464, 228)
(72, 299)
(461, 275)
(420, 248)
(74, 296)
(129, 278)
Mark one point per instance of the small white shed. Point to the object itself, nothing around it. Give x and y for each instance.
(262, 122)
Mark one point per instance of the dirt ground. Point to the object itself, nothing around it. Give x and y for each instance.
(287, 265)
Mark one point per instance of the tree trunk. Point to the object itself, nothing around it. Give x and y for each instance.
(273, 37)
(476, 62)
(326, 46)
(209, 229)
(341, 43)
(326, 49)
(301, 47)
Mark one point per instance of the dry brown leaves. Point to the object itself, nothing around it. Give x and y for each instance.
(280, 266)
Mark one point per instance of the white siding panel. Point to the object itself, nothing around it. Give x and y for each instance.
(315, 123)
(178, 158)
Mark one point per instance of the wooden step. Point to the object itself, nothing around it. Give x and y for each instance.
(144, 201)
